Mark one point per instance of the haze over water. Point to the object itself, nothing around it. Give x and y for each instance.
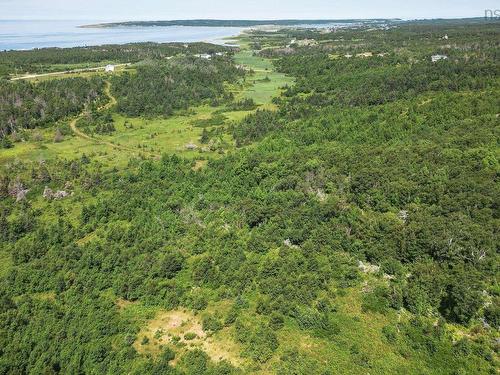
(22, 35)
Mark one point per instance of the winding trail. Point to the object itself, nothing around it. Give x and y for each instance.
(112, 102)
(247, 59)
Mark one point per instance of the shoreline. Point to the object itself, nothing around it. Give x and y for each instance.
(188, 38)
(233, 23)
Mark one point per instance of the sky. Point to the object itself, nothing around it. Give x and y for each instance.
(121, 10)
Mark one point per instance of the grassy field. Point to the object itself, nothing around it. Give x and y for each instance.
(265, 83)
(140, 137)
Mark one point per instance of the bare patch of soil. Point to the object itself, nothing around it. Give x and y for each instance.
(182, 330)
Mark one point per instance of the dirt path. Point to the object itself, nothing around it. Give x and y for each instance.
(112, 102)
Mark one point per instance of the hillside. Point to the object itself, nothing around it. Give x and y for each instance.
(312, 202)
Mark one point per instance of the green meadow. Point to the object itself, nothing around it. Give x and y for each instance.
(151, 137)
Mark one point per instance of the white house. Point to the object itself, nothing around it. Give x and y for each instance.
(436, 58)
(109, 68)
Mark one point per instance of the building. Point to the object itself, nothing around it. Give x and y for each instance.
(109, 68)
(436, 58)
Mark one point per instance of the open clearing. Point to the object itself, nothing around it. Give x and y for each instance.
(182, 330)
(265, 83)
(149, 138)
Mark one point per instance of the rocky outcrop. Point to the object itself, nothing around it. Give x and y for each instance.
(18, 191)
(289, 244)
(191, 147)
(403, 215)
(61, 194)
(49, 194)
(368, 268)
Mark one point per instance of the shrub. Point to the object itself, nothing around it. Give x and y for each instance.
(171, 264)
(276, 322)
(231, 316)
(211, 323)
(196, 301)
(195, 362)
(58, 136)
(319, 323)
(6, 143)
(259, 343)
(492, 314)
(167, 355)
(247, 104)
(37, 137)
(390, 333)
(255, 127)
(377, 300)
(263, 306)
(463, 300)
(190, 336)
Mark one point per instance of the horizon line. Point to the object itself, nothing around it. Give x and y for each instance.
(245, 19)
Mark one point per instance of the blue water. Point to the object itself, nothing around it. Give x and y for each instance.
(22, 35)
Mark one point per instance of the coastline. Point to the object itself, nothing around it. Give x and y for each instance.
(230, 40)
(30, 35)
(37, 34)
(230, 23)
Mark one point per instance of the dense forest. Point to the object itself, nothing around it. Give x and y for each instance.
(25, 105)
(51, 59)
(352, 230)
(159, 88)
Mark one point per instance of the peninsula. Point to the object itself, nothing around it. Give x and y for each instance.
(233, 23)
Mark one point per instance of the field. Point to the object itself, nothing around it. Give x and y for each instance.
(265, 83)
(152, 137)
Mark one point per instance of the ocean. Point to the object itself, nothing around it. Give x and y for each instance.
(25, 35)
